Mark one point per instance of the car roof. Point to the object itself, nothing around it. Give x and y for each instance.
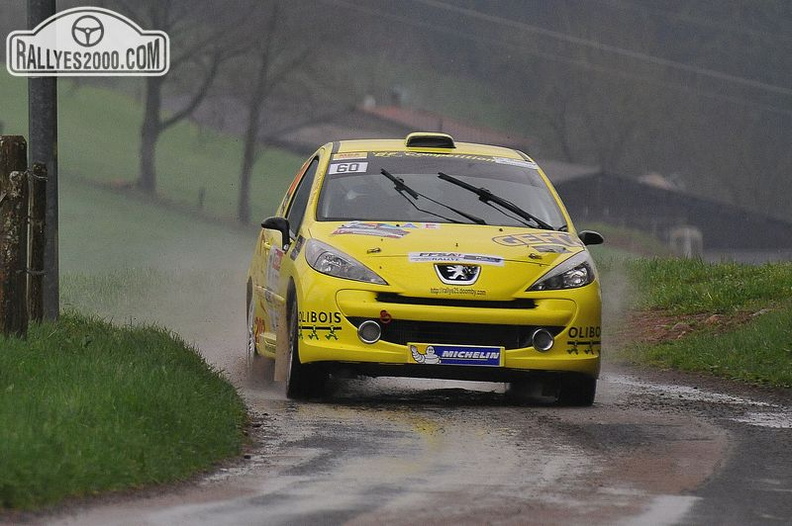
(389, 145)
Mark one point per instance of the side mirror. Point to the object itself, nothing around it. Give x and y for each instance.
(281, 225)
(590, 237)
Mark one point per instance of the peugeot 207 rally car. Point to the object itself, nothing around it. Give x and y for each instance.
(425, 257)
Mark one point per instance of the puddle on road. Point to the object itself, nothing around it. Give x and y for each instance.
(774, 420)
(756, 412)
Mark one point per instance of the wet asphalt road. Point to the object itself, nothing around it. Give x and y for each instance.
(426, 452)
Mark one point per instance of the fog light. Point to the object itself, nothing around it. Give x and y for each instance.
(369, 331)
(542, 340)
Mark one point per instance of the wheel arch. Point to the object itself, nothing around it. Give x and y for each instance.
(248, 293)
(282, 338)
(291, 295)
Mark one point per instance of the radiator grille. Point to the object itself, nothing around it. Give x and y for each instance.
(508, 336)
(388, 297)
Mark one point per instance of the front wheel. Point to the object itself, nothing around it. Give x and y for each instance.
(302, 380)
(577, 391)
(260, 369)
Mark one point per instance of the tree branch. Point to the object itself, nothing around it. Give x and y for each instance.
(198, 96)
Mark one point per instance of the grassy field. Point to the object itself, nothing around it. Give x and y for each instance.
(89, 407)
(102, 230)
(757, 348)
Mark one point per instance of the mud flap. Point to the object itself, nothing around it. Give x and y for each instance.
(282, 345)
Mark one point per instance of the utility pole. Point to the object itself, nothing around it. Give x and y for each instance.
(43, 148)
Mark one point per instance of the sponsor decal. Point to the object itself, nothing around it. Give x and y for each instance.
(551, 249)
(454, 257)
(298, 244)
(516, 162)
(270, 298)
(543, 239)
(466, 157)
(87, 42)
(364, 228)
(456, 291)
(427, 226)
(274, 266)
(315, 322)
(584, 340)
(349, 156)
(270, 306)
(585, 332)
(458, 274)
(427, 357)
(429, 354)
(259, 327)
(312, 316)
(348, 168)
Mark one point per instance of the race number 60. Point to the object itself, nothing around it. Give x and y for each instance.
(348, 168)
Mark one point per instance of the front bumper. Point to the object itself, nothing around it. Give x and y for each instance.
(328, 321)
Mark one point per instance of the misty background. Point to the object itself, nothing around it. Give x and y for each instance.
(697, 91)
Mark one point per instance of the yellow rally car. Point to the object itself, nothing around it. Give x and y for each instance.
(425, 257)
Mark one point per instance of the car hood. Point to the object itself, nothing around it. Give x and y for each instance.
(433, 259)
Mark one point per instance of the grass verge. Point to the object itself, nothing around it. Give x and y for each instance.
(88, 407)
(728, 319)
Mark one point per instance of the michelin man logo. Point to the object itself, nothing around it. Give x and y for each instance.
(430, 358)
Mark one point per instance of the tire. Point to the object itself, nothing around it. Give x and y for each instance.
(577, 391)
(251, 331)
(534, 391)
(519, 392)
(260, 369)
(302, 381)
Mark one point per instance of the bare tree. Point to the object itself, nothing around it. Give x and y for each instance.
(272, 58)
(201, 41)
(279, 84)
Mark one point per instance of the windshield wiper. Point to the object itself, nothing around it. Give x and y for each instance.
(402, 187)
(485, 196)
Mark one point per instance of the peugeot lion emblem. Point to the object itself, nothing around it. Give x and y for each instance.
(458, 274)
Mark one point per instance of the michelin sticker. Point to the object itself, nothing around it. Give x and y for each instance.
(456, 355)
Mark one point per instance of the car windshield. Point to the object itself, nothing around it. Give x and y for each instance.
(355, 188)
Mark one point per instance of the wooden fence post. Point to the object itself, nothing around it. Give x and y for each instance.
(13, 236)
(37, 176)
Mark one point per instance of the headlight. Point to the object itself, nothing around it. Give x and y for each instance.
(575, 272)
(331, 261)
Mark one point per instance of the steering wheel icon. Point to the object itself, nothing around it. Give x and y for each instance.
(87, 31)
